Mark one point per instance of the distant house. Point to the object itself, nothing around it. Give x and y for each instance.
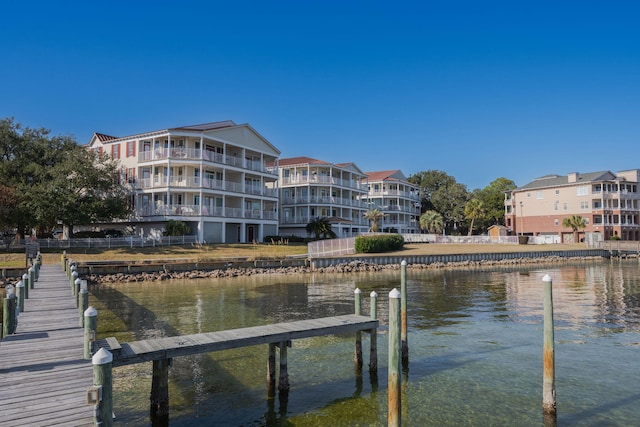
(212, 176)
(610, 204)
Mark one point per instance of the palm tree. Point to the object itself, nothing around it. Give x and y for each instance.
(374, 215)
(431, 221)
(474, 209)
(321, 227)
(575, 223)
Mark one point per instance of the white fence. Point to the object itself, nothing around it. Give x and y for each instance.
(331, 247)
(110, 242)
(335, 247)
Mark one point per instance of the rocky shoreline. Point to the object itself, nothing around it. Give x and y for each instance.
(355, 266)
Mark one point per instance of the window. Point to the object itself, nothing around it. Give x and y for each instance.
(556, 222)
(584, 205)
(557, 192)
(131, 148)
(556, 206)
(538, 194)
(565, 206)
(582, 190)
(115, 151)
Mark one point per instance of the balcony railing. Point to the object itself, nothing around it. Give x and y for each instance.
(321, 179)
(181, 153)
(197, 210)
(197, 182)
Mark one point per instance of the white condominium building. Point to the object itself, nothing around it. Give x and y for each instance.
(212, 176)
(398, 199)
(311, 188)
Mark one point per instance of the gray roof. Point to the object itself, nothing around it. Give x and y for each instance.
(548, 181)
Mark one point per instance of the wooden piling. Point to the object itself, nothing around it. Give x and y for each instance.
(394, 396)
(72, 280)
(76, 291)
(32, 277)
(283, 380)
(159, 405)
(25, 280)
(373, 350)
(90, 326)
(102, 363)
(20, 295)
(403, 311)
(9, 312)
(84, 304)
(357, 356)
(548, 382)
(271, 363)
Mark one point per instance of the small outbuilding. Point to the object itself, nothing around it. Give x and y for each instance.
(497, 231)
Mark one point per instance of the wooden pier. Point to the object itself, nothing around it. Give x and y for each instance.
(184, 345)
(43, 374)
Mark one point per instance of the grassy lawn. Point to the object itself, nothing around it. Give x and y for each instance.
(254, 251)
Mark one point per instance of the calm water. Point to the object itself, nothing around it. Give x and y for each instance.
(475, 342)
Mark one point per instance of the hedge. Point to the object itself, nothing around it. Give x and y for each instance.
(379, 243)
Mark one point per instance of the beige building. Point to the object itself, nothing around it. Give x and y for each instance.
(311, 188)
(608, 202)
(398, 199)
(211, 176)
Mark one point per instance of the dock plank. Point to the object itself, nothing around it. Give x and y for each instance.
(43, 374)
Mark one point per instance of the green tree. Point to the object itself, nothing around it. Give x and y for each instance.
(320, 227)
(175, 228)
(492, 196)
(575, 223)
(442, 193)
(58, 180)
(374, 216)
(474, 210)
(432, 222)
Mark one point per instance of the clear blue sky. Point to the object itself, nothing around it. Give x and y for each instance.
(478, 89)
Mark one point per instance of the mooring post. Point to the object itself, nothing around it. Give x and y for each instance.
(271, 371)
(20, 295)
(25, 280)
(403, 310)
(102, 363)
(84, 302)
(283, 380)
(36, 268)
(76, 291)
(90, 326)
(394, 403)
(357, 356)
(373, 350)
(548, 382)
(63, 260)
(72, 281)
(9, 318)
(159, 407)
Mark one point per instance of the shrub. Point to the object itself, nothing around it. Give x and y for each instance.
(615, 237)
(175, 228)
(379, 243)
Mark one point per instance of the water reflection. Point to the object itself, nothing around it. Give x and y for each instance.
(475, 341)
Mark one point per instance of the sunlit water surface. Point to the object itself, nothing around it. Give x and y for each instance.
(475, 348)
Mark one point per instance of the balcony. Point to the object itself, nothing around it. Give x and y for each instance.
(197, 210)
(196, 182)
(191, 154)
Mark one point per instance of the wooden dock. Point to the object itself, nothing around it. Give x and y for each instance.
(43, 374)
(183, 345)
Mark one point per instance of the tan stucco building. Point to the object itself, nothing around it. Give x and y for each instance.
(610, 204)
